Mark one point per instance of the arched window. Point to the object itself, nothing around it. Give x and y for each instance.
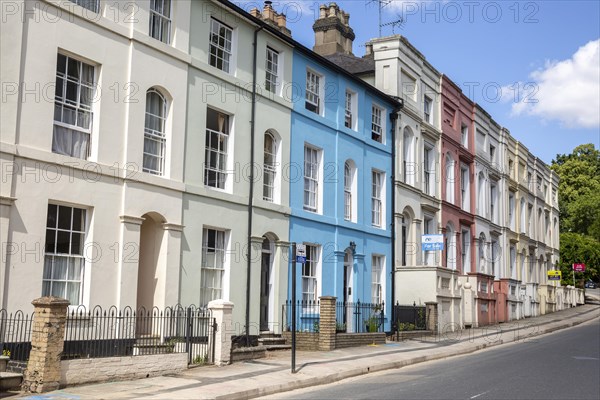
(350, 197)
(154, 133)
(449, 178)
(269, 167)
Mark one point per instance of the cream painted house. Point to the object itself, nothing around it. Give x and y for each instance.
(91, 147)
(222, 258)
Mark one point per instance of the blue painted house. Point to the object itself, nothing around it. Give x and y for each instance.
(341, 188)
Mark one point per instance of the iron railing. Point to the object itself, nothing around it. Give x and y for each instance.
(15, 334)
(409, 317)
(307, 315)
(112, 332)
(359, 317)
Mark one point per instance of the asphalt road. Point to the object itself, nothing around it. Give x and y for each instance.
(561, 365)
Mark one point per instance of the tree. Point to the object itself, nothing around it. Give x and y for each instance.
(579, 203)
(576, 248)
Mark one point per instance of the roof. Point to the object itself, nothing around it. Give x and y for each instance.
(353, 64)
(298, 46)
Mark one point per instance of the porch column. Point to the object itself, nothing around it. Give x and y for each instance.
(256, 243)
(172, 243)
(280, 281)
(128, 259)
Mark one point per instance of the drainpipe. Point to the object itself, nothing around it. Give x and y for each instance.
(394, 116)
(251, 192)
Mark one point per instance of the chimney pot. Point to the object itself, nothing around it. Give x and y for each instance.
(323, 11)
(332, 9)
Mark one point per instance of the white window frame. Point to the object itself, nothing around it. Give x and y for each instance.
(465, 248)
(314, 92)
(270, 165)
(427, 108)
(511, 210)
(513, 261)
(81, 107)
(493, 201)
(92, 5)
(465, 185)
(464, 134)
(377, 198)
(450, 178)
(160, 20)
(272, 68)
(216, 272)
(74, 257)
(378, 279)
(429, 169)
(310, 273)
(312, 178)
(221, 49)
(350, 197)
(218, 153)
(348, 114)
(155, 136)
(377, 124)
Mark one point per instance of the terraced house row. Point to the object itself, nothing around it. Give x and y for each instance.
(170, 152)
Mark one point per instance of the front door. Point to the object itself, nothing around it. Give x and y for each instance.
(265, 285)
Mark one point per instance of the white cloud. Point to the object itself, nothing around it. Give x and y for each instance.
(567, 91)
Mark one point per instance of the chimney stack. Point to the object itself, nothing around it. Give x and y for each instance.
(272, 17)
(333, 34)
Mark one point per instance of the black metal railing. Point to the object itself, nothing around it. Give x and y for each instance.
(15, 334)
(409, 317)
(307, 315)
(112, 332)
(359, 317)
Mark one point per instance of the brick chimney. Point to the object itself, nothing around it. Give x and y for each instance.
(272, 17)
(332, 31)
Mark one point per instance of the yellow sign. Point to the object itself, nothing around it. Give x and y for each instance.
(554, 275)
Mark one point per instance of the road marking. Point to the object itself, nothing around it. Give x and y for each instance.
(585, 358)
(477, 395)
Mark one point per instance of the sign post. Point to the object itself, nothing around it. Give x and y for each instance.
(577, 267)
(299, 256)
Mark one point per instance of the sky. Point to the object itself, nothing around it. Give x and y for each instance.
(533, 65)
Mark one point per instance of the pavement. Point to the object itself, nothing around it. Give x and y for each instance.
(272, 375)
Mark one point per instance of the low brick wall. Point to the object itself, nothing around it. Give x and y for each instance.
(358, 339)
(307, 341)
(75, 372)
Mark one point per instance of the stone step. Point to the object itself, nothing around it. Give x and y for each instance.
(268, 334)
(10, 380)
(271, 341)
(277, 347)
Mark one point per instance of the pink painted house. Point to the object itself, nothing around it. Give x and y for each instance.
(458, 204)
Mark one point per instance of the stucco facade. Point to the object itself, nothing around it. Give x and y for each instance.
(222, 258)
(341, 197)
(81, 216)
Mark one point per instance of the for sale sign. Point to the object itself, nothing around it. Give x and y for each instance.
(579, 267)
(554, 275)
